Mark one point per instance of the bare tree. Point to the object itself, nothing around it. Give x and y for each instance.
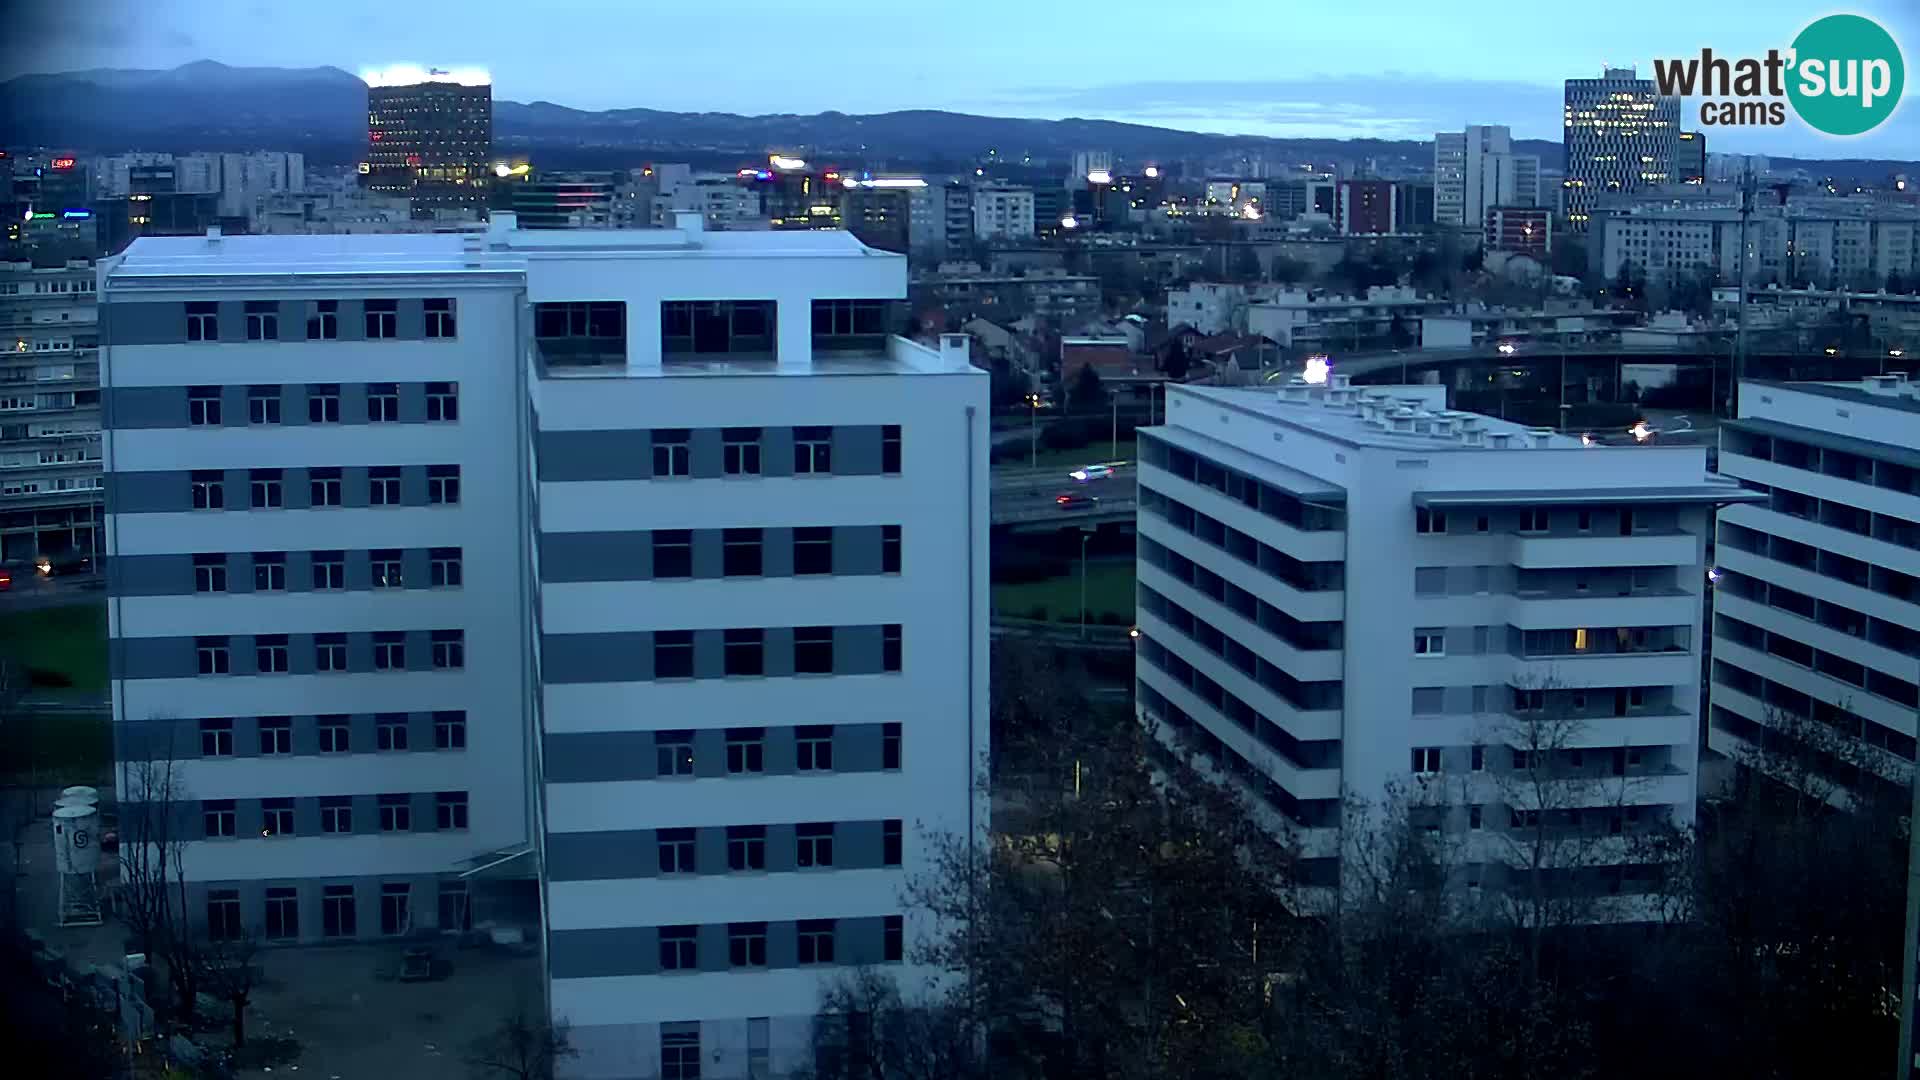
(153, 888)
(230, 970)
(524, 1045)
(866, 1030)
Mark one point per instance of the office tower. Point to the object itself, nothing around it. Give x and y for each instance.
(564, 201)
(888, 212)
(430, 138)
(1817, 605)
(1475, 170)
(1690, 158)
(49, 412)
(1620, 135)
(1346, 592)
(1416, 203)
(1090, 167)
(1003, 213)
(705, 584)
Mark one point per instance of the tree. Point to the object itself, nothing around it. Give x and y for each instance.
(154, 810)
(1246, 264)
(230, 970)
(1088, 395)
(1174, 362)
(1287, 271)
(1570, 257)
(524, 1045)
(866, 1030)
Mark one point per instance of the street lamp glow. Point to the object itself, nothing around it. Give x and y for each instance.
(1153, 172)
(1069, 222)
(1317, 369)
(1640, 431)
(1099, 176)
(780, 161)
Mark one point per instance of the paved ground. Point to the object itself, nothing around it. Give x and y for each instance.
(30, 590)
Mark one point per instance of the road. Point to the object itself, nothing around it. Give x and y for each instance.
(31, 592)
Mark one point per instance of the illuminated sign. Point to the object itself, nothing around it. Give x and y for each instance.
(63, 163)
(1099, 176)
(779, 161)
(77, 214)
(365, 168)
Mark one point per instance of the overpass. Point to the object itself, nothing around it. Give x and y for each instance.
(1025, 498)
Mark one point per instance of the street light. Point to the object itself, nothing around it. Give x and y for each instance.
(1086, 534)
(1033, 430)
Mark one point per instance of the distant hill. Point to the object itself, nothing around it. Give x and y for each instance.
(321, 112)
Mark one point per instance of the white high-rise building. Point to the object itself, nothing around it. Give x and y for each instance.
(1003, 213)
(629, 587)
(1817, 607)
(1476, 170)
(1346, 593)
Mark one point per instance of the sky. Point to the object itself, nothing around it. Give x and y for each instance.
(1296, 68)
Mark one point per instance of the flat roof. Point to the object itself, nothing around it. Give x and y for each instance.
(1292, 481)
(1348, 427)
(1850, 391)
(1899, 455)
(1707, 491)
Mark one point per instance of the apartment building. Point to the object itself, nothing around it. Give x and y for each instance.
(1003, 213)
(1817, 604)
(49, 412)
(717, 643)
(1349, 593)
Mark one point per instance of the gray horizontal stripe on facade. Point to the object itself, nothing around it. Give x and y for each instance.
(627, 453)
(173, 575)
(628, 556)
(634, 853)
(177, 658)
(189, 817)
(635, 950)
(309, 893)
(628, 656)
(170, 491)
(602, 756)
(165, 323)
(153, 739)
(128, 408)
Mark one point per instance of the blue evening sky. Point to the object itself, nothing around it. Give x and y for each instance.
(1389, 68)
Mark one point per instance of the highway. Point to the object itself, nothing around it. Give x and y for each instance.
(1026, 496)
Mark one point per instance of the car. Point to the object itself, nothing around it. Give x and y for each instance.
(1091, 472)
(6, 580)
(1073, 500)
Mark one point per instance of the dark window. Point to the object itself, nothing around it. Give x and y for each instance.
(324, 486)
(203, 321)
(323, 320)
(396, 813)
(813, 748)
(746, 847)
(270, 571)
(390, 731)
(336, 736)
(223, 914)
(740, 451)
(283, 914)
(389, 650)
(443, 485)
(890, 449)
(337, 913)
(815, 840)
(450, 810)
(383, 485)
(890, 746)
(716, 326)
(203, 406)
(672, 553)
(890, 842)
(263, 320)
(449, 649)
(212, 654)
(444, 567)
(746, 652)
(217, 816)
(263, 486)
(263, 404)
(387, 568)
(276, 817)
(893, 938)
(673, 753)
(323, 403)
(746, 750)
(678, 951)
(676, 850)
(813, 550)
(383, 403)
(813, 650)
(673, 654)
(889, 549)
(209, 573)
(336, 814)
(396, 915)
(890, 647)
(450, 730)
(216, 737)
(849, 319)
(747, 944)
(440, 317)
(812, 450)
(209, 489)
(679, 1055)
(816, 941)
(1429, 521)
(383, 319)
(329, 570)
(672, 452)
(276, 735)
(443, 402)
(740, 553)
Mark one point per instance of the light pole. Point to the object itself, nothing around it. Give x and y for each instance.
(1033, 430)
(1086, 534)
(1115, 395)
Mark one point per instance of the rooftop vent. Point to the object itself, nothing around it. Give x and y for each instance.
(1473, 437)
(213, 234)
(1499, 440)
(1294, 394)
(1443, 427)
(1340, 381)
(1885, 384)
(1541, 436)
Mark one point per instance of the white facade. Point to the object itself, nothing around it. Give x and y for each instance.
(1353, 591)
(724, 603)
(1002, 213)
(49, 411)
(1825, 243)
(1476, 169)
(1817, 606)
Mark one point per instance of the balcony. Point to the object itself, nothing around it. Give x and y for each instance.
(1673, 548)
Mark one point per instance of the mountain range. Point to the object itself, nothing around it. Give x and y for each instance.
(321, 112)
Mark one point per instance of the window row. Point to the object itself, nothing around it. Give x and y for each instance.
(814, 943)
(744, 651)
(327, 815)
(379, 319)
(1828, 564)
(377, 485)
(1192, 736)
(1305, 576)
(209, 406)
(1540, 763)
(1300, 753)
(281, 915)
(1836, 617)
(746, 750)
(1900, 691)
(1301, 694)
(802, 551)
(1241, 488)
(331, 733)
(1299, 634)
(1860, 468)
(327, 571)
(1550, 520)
(677, 851)
(1578, 703)
(742, 451)
(379, 650)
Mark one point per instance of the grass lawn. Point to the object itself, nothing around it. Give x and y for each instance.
(69, 641)
(48, 749)
(1109, 591)
(1097, 450)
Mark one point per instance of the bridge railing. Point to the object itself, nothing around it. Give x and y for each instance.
(1051, 512)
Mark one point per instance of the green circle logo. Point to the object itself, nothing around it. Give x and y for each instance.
(1847, 75)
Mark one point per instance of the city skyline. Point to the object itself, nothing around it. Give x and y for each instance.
(1435, 77)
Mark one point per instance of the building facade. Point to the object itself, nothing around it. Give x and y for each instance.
(1620, 135)
(565, 201)
(1817, 602)
(647, 613)
(1002, 213)
(1368, 207)
(430, 139)
(1690, 158)
(1476, 169)
(1350, 593)
(1519, 230)
(49, 413)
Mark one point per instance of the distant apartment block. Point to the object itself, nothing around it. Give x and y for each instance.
(1817, 606)
(1368, 207)
(1348, 592)
(1519, 230)
(627, 588)
(1002, 213)
(49, 413)
(1476, 169)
